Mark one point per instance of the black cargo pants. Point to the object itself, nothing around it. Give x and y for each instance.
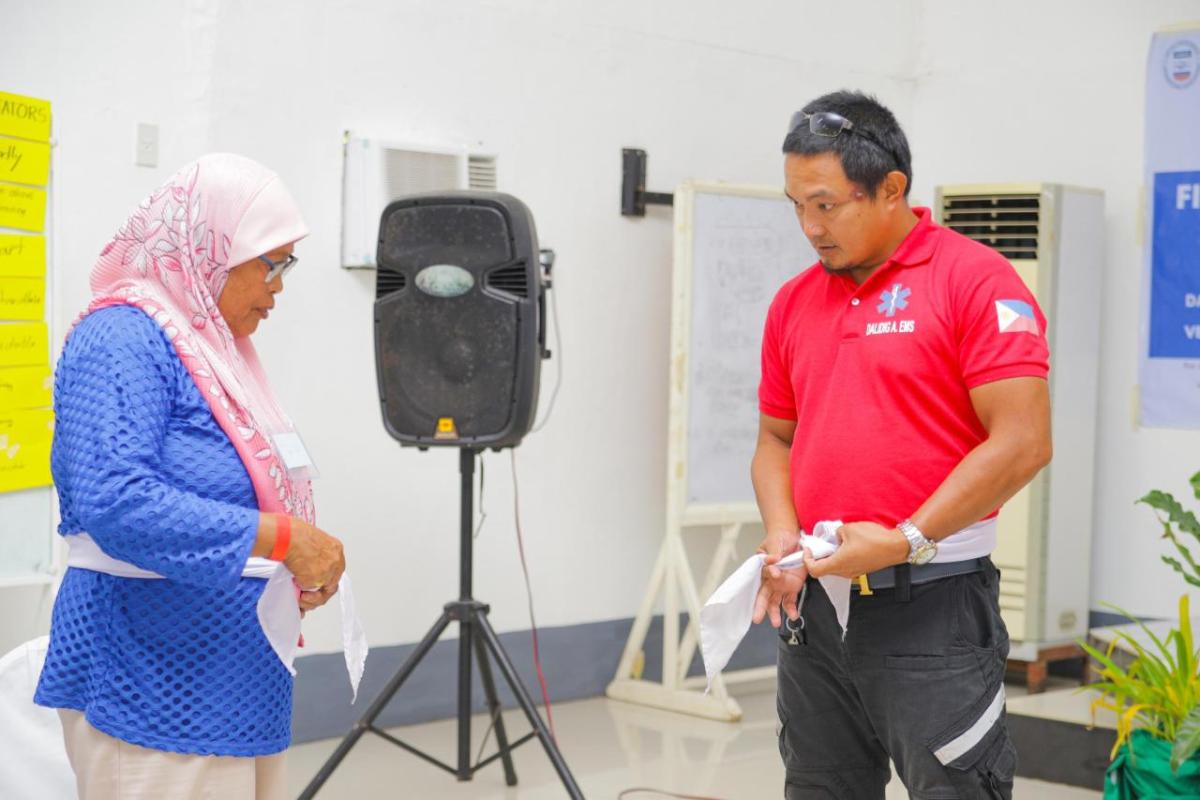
(918, 682)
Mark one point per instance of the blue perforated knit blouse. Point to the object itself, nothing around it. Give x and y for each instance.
(141, 464)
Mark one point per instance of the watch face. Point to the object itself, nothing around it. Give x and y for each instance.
(924, 554)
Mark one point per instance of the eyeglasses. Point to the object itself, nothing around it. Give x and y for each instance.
(278, 269)
(830, 125)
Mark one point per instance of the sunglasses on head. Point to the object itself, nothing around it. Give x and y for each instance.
(831, 124)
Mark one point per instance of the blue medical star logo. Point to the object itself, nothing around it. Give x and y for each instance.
(894, 300)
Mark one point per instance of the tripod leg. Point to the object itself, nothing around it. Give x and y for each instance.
(465, 630)
(526, 702)
(489, 690)
(376, 708)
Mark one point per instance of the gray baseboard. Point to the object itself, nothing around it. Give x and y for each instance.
(1107, 619)
(578, 661)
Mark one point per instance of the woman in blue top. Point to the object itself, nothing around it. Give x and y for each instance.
(177, 473)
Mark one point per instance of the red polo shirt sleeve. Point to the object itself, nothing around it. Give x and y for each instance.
(1001, 329)
(776, 398)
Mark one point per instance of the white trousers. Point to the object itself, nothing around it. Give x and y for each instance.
(110, 769)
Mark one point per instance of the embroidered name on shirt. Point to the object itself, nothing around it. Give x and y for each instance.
(891, 326)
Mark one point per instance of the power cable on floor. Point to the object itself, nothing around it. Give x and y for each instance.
(661, 793)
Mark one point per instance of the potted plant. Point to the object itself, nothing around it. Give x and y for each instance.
(1157, 696)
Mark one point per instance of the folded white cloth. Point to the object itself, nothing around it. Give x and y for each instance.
(725, 618)
(278, 609)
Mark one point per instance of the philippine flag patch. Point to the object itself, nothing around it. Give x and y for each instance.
(1016, 315)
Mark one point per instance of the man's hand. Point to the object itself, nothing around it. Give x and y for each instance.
(778, 544)
(866, 547)
(780, 586)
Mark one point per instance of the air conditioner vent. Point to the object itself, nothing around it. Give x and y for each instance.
(411, 171)
(1007, 223)
(481, 173)
(376, 172)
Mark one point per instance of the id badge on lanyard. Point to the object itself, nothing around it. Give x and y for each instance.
(295, 456)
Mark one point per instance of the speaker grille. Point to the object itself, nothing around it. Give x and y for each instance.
(513, 279)
(474, 237)
(388, 282)
(454, 357)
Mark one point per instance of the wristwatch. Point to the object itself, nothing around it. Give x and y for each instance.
(920, 549)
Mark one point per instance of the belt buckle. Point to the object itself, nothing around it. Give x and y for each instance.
(864, 585)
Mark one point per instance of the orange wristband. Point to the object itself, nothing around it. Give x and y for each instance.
(283, 537)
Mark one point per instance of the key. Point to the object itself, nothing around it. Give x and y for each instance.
(803, 638)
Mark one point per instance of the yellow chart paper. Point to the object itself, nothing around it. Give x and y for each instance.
(22, 299)
(24, 344)
(25, 387)
(22, 256)
(26, 117)
(24, 162)
(22, 207)
(25, 438)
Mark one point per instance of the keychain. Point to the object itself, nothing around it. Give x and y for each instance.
(802, 630)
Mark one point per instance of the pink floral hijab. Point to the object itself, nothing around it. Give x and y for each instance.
(172, 258)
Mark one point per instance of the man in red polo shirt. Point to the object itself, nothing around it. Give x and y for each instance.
(903, 394)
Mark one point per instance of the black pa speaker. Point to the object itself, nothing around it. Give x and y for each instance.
(459, 303)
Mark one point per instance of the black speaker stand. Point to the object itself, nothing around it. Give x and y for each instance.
(475, 638)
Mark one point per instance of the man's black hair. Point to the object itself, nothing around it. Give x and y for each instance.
(864, 161)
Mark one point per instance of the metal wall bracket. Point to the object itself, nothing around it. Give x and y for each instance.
(634, 197)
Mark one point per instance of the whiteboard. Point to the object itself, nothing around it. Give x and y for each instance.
(26, 541)
(735, 246)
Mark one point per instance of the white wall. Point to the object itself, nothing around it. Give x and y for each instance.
(1055, 91)
(556, 89)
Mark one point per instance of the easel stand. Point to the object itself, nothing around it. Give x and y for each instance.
(672, 578)
(726, 236)
(476, 639)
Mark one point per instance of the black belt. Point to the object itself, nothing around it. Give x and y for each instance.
(890, 577)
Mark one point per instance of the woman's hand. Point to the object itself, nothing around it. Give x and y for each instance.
(317, 561)
(311, 600)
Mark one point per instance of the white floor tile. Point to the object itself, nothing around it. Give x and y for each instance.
(609, 746)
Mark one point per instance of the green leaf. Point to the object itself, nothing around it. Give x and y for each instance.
(1179, 568)
(1195, 482)
(1140, 651)
(1110, 675)
(1160, 500)
(1187, 741)
(1187, 556)
(1183, 641)
(1163, 501)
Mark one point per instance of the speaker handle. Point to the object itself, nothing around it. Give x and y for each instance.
(546, 259)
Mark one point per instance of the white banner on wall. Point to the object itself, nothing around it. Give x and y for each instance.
(1170, 347)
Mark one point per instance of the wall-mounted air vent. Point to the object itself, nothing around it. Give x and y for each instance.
(481, 173)
(376, 172)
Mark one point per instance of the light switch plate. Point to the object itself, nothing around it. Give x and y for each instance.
(147, 145)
